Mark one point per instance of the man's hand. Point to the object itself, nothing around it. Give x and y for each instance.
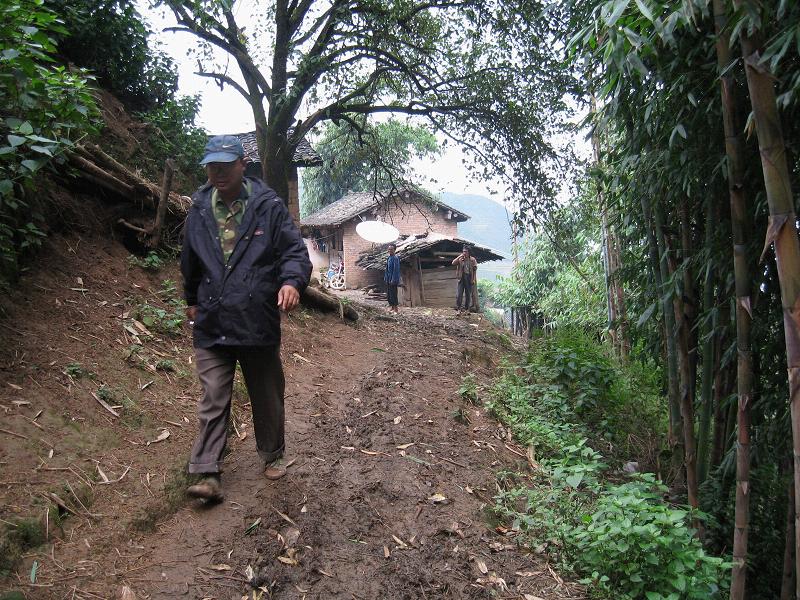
(288, 298)
(191, 314)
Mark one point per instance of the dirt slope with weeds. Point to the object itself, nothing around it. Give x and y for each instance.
(388, 495)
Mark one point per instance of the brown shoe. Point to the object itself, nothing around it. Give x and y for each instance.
(277, 468)
(208, 488)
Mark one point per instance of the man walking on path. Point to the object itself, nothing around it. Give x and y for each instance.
(243, 259)
(466, 272)
(392, 278)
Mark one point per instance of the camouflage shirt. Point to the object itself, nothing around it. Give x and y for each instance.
(229, 219)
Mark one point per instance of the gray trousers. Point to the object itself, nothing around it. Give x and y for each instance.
(464, 288)
(263, 376)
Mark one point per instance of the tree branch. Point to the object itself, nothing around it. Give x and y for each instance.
(223, 79)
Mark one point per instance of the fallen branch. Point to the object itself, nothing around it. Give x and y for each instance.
(19, 435)
(104, 404)
(316, 298)
(154, 237)
(106, 480)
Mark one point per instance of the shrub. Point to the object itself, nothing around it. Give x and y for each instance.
(110, 38)
(173, 134)
(46, 108)
(621, 538)
(152, 261)
(633, 545)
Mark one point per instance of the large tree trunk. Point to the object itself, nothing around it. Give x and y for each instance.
(782, 230)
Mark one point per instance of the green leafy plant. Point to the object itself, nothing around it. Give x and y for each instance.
(77, 371)
(166, 364)
(468, 390)
(110, 38)
(622, 539)
(106, 394)
(633, 545)
(46, 108)
(173, 134)
(152, 261)
(168, 320)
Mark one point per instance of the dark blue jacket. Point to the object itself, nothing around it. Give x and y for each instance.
(392, 273)
(237, 302)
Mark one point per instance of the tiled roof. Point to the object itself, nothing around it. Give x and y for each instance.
(356, 203)
(304, 154)
(414, 244)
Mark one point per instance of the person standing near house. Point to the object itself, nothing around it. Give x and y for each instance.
(242, 261)
(392, 278)
(466, 273)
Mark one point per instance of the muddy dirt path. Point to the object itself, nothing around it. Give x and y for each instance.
(386, 498)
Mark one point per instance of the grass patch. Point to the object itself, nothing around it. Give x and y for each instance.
(17, 539)
(498, 338)
(618, 536)
(75, 370)
(468, 390)
(172, 497)
(131, 414)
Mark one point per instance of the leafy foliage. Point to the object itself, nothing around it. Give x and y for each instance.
(373, 157)
(173, 134)
(46, 109)
(562, 279)
(110, 38)
(621, 538)
(478, 72)
(152, 261)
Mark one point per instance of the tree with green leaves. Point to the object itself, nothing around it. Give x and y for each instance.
(476, 72)
(111, 39)
(46, 109)
(677, 171)
(376, 157)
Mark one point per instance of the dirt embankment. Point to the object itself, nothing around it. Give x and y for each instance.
(386, 498)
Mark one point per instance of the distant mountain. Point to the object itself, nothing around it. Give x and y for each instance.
(488, 224)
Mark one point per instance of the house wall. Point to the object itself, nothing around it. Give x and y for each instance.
(409, 219)
(322, 260)
(440, 286)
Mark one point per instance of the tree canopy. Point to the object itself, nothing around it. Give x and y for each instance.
(477, 72)
(376, 157)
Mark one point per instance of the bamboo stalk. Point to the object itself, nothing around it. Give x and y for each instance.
(781, 231)
(659, 275)
(709, 346)
(787, 579)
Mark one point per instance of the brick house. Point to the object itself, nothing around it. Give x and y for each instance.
(331, 237)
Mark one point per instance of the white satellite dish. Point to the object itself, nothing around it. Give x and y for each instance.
(377, 232)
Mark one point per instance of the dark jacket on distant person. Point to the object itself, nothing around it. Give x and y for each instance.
(237, 301)
(392, 273)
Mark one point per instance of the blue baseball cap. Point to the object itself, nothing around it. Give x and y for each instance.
(223, 148)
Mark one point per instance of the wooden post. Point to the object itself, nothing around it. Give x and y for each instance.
(154, 237)
(421, 282)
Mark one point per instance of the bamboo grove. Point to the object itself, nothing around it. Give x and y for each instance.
(694, 115)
